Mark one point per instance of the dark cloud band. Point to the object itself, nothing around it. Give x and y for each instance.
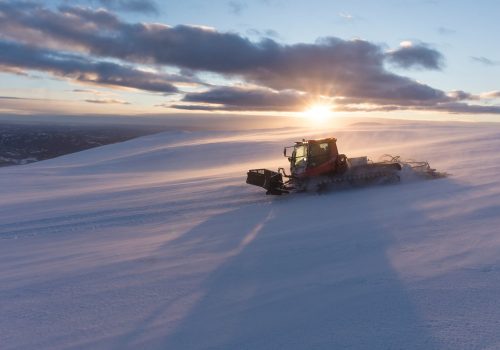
(81, 68)
(233, 98)
(416, 56)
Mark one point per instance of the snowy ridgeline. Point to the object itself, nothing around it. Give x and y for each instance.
(157, 243)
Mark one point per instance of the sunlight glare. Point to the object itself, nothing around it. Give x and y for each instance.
(318, 113)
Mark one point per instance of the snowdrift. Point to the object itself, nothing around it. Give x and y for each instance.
(157, 243)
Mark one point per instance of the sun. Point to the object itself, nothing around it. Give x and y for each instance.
(318, 113)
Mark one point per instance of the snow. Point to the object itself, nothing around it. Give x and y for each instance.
(158, 243)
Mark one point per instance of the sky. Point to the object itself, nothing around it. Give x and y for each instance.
(431, 59)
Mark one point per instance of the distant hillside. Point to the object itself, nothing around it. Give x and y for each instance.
(22, 144)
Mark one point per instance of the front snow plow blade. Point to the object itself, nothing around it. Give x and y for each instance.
(270, 180)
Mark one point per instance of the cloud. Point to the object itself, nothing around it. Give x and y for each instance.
(346, 16)
(194, 107)
(459, 95)
(236, 7)
(90, 91)
(352, 70)
(485, 61)
(410, 55)
(269, 33)
(81, 68)
(137, 6)
(13, 70)
(490, 94)
(107, 101)
(448, 107)
(245, 99)
(462, 108)
(146, 6)
(446, 31)
(101, 33)
(331, 66)
(20, 98)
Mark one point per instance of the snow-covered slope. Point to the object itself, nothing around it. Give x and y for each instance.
(157, 243)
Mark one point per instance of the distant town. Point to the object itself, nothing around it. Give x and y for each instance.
(23, 144)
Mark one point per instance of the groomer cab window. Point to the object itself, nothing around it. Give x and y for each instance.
(319, 153)
(300, 154)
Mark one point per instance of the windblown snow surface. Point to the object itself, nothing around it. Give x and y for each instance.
(158, 243)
